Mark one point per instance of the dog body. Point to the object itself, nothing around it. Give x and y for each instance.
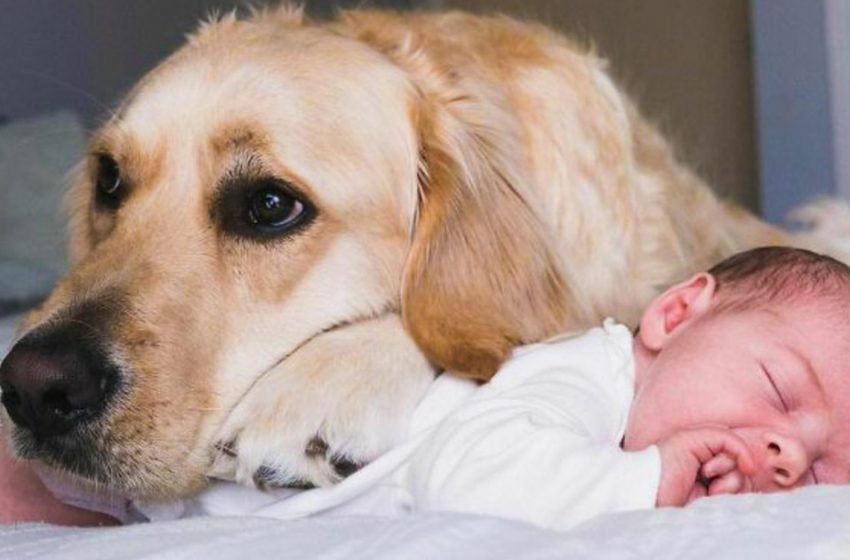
(287, 227)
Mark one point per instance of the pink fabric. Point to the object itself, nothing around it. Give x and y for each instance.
(83, 496)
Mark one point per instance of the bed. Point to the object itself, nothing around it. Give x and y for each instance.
(811, 523)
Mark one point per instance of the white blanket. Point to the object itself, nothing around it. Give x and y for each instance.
(809, 524)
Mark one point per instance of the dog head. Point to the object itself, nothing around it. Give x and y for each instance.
(268, 181)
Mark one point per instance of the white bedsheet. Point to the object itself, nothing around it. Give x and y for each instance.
(809, 524)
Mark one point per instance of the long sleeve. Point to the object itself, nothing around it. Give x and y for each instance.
(541, 444)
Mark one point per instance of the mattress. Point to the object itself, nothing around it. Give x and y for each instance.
(810, 523)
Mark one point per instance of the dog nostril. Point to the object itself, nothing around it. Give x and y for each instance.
(782, 473)
(10, 399)
(774, 447)
(57, 401)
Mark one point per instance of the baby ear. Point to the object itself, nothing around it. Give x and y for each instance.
(676, 307)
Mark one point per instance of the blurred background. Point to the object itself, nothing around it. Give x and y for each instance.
(755, 94)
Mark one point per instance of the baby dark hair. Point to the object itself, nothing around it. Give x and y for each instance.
(778, 275)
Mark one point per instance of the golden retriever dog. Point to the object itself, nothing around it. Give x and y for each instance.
(288, 227)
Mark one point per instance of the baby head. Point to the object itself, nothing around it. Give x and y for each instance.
(759, 345)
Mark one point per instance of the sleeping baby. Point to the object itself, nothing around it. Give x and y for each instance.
(735, 382)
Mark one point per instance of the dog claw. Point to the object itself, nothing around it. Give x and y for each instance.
(344, 467)
(316, 447)
(266, 478)
(227, 448)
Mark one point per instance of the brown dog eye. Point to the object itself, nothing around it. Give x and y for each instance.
(261, 209)
(109, 187)
(271, 207)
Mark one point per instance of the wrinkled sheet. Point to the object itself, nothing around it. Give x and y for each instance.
(811, 523)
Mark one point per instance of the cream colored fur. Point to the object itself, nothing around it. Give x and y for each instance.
(480, 183)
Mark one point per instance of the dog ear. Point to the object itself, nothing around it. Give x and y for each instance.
(481, 275)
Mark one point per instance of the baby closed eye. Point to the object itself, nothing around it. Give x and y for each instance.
(776, 390)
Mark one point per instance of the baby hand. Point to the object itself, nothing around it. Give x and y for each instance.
(700, 462)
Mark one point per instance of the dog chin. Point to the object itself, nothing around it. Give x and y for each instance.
(83, 458)
(79, 454)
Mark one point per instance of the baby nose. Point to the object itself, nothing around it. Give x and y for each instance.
(787, 459)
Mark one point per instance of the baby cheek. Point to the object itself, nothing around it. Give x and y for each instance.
(828, 472)
(645, 427)
(754, 439)
(813, 429)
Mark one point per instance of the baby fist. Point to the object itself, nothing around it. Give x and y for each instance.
(702, 461)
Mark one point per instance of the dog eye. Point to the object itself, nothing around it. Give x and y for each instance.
(260, 208)
(272, 208)
(109, 186)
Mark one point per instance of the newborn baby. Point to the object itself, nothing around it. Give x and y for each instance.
(735, 382)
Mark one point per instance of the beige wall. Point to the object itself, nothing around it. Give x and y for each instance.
(688, 65)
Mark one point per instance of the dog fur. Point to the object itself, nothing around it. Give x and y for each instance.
(479, 183)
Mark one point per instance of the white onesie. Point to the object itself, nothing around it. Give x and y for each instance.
(540, 443)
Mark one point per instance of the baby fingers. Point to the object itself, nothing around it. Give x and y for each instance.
(718, 466)
(730, 483)
(720, 442)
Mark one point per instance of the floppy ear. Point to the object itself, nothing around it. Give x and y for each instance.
(481, 275)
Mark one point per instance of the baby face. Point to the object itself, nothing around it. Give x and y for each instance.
(779, 377)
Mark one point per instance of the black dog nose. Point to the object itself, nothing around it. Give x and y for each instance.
(56, 379)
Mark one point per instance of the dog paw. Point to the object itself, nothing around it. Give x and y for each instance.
(328, 409)
(267, 477)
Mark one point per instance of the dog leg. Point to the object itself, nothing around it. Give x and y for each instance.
(338, 402)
